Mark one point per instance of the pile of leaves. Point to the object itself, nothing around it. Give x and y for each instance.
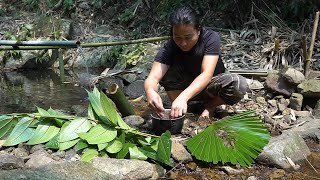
(102, 133)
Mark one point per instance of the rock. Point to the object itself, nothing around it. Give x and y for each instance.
(179, 153)
(288, 144)
(252, 178)
(134, 121)
(20, 152)
(296, 100)
(192, 166)
(277, 174)
(61, 171)
(309, 130)
(279, 85)
(129, 77)
(38, 147)
(8, 162)
(293, 76)
(124, 168)
(158, 172)
(316, 110)
(254, 84)
(310, 88)
(273, 102)
(37, 161)
(261, 100)
(302, 113)
(231, 171)
(135, 89)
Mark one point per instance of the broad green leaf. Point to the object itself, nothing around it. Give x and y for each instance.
(109, 109)
(94, 98)
(53, 143)
(21, 132)
(149, 152)
(99, 134)
(104, 154)
(102, 146)
(55, 113)
(145, 142)
(89, 155)
(236, 139)
(68, 144)
(81, 145)
(43, 112)
(43, 133)
(76, 126)
(91, 114)
(164, 148)
(135, 153)
(124, 151)
(122, 138)
(5, 124)
(114, 146)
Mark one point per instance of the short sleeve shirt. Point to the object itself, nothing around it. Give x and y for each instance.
(191, 61)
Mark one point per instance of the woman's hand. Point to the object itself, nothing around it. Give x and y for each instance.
(155, 102)
(179, 107)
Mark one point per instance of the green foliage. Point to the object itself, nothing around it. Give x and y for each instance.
(103, 133)
(236, 139)
(32, 4)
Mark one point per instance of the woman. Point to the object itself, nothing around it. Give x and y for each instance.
(189, 67)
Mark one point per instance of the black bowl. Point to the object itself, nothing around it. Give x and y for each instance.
(161, 125)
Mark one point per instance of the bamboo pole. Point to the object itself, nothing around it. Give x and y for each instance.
(115, 93)
(314, 32)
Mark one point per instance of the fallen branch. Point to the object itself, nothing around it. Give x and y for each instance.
(314, 32)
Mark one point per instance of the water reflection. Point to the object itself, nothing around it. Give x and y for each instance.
(24, 91)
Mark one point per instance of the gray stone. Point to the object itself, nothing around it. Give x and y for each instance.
(134, 121)
(129, 77)
(296, 100)
(279, 85)
(293, 76)
(20, 152)
(261, 100)
(8, 161)
(289, 144)
(316, 110)
(124, 168)
(310, 88)
(179, 153)
(309, 130)
(135, 89)
(254, 84)
(38, 147)
(62, 171)
(158, 172)
(37, 161)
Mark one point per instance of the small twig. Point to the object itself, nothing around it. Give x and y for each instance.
(173, 168)
(310, 164)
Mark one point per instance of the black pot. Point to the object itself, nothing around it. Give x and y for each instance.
(161, 125)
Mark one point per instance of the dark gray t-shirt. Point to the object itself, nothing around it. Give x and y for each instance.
(191, 61)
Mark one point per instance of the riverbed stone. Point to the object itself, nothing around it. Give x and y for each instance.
(69, 170)
(293, 76)
(8, 161)
(135, 89)
(289, 144)
(296, 100)
(134, 121)
(179, 153)
(37, 161)
(316, 110)
(124, 168)
(310, 88)
(309, 130)
(279, 85)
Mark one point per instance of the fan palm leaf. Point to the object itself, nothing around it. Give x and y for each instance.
(236, 139)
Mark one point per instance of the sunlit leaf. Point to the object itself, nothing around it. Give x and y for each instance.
(135, 153)
(238, 139)
(5, 124)
(89, 155)
(99, 134)
(114, 146)
(21, 132)
(94, 98)
(81, 145)
(76, 126)
(102, 146)
(53, 143)
(68, 144)
(164, 148)
(43, 133)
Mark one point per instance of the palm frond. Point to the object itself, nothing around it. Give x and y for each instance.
(236, 139)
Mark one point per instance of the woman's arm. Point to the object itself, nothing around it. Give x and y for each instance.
(158, 70)
(179, 106)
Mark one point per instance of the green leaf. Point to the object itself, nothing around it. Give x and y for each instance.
(21, 132)
(95, 103)
(76, 126)
(43, 133)
(99, 134)
(148, 151)
(109, 108)
(124, 151)
(236, 139)
(43, 112)
(102, 146)
(89, 155)
(53, 143)
(68, 144)
(5, 124)
(81, 145)
(135, 153)
(164, 148)
(114, 146)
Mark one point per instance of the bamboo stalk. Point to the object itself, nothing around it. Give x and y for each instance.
(314, 32)
(115, 93)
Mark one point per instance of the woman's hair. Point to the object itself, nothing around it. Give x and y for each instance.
(187, 15)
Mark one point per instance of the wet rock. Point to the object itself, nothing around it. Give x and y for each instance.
(124, 168)
(296, 100)
(288, 144)
(179, 153)
(135, 89)
(8, 161)
(310, 88)
(293, 76)
(308, 130)
(134, 121)
(75, 170)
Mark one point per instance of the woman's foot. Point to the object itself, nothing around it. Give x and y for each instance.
(207, 112)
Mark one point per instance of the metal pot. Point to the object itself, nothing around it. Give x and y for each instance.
(160, 125)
